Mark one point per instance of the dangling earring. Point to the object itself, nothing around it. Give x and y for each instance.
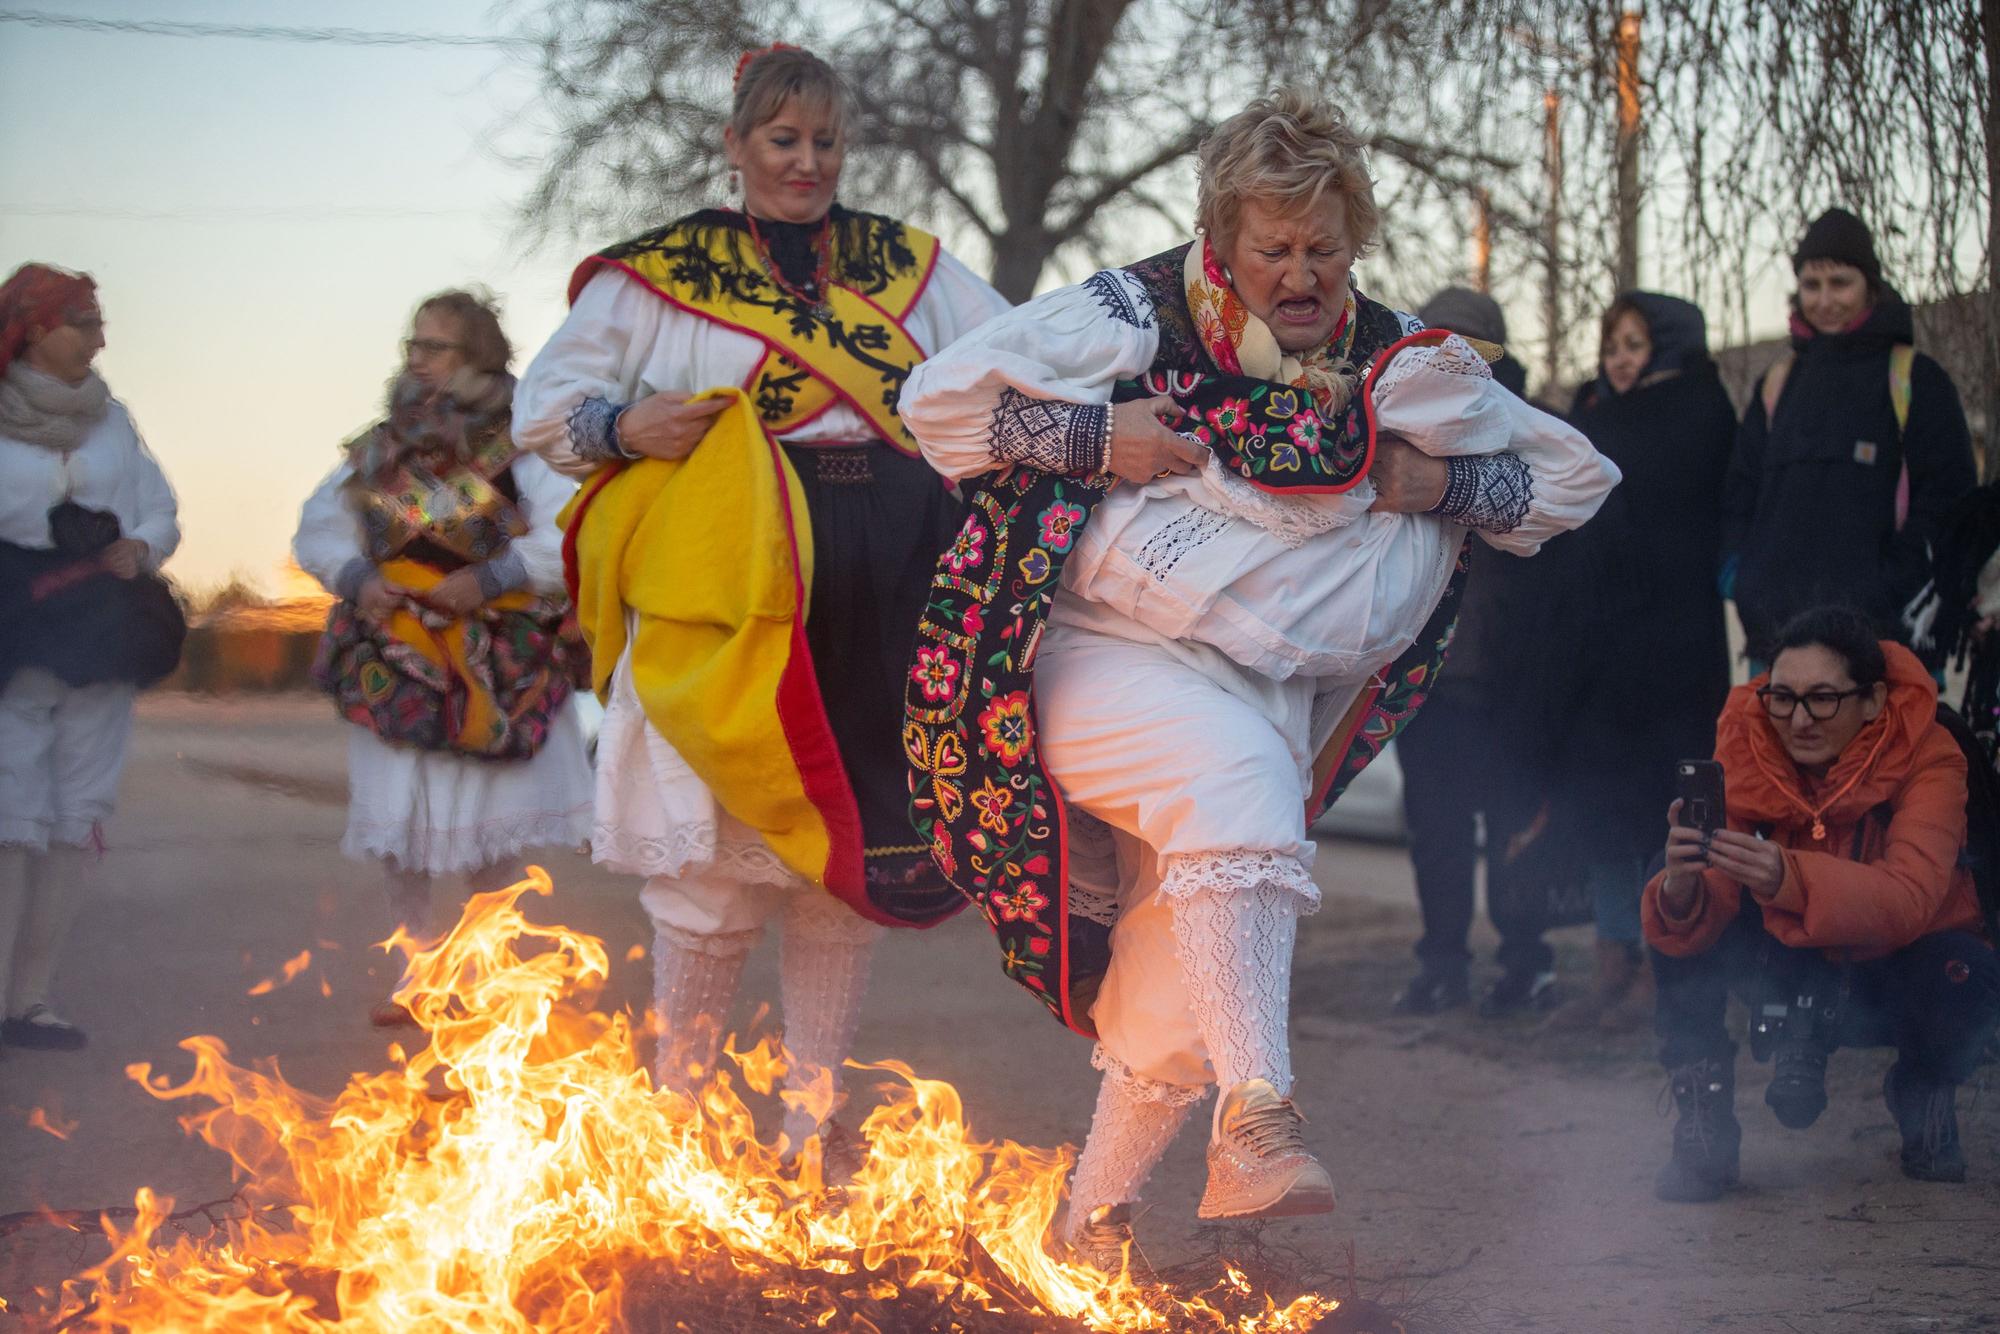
(735, 182)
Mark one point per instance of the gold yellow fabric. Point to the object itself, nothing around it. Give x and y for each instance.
(446, 648)
(711, 555)
(852, 346)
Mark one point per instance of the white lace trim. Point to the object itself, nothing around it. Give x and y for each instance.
(467, 848)
(1093, 904)
(1160, 553)
(1453, 356)
(1293, 520)
(1142, 1089)
(689, 847)
(1239, 872)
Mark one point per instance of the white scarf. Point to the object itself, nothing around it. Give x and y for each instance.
(42, 410)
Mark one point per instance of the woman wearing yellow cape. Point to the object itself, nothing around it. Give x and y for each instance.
(750, 557)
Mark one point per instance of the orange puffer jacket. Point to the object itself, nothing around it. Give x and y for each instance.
(1886, 869)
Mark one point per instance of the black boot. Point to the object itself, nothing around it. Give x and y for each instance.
(1520, 990)
(1431, 991)
(1707, 1140)
(1927, 1113)
(1798, 1083)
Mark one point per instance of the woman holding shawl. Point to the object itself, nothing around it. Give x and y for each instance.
(1122, 776)
(451, 649)
(751, 556)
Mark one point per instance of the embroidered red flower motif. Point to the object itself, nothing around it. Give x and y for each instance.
(1021, 904)
(1038, 946)
(968, 549)
(992, 803)
(1006, 727)
(1232, 416)
(974, 620)
(1304, 432)
(941, 851)
(1059, 524)
(935, 673)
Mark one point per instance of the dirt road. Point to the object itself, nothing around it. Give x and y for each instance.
(1491, 1177)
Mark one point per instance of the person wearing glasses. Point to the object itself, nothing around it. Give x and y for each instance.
(86, 519)
(1834, 899)
(451, 648)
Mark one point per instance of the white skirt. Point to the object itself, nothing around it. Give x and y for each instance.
(655, 817)
(443, 813)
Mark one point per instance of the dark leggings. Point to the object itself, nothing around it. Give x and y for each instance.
(1935, 1000)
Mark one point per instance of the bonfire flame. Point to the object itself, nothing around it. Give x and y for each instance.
(554, 1176)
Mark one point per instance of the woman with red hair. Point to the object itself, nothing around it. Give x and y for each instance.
(86, 517)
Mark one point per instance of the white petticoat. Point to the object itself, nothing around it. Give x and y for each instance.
(655, 817)
(443, 813)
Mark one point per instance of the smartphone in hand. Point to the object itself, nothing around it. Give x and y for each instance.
(1698, 784)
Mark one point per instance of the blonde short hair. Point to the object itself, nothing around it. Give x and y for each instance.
(770, 76)
(1290, 150)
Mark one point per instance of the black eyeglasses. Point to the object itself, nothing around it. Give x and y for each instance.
(430, 347)
(1820, 704)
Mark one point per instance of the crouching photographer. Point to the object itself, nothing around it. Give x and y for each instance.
(1833, 896)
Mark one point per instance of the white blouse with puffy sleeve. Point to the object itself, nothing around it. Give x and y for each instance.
(1319, 586)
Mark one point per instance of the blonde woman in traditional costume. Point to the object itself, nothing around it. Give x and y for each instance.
(86, 519)
(450, 650)
(1219, 503)
(751, 551)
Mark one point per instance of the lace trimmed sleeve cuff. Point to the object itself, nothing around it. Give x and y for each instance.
(1490, 492)
(1049, 434)
(593, 431)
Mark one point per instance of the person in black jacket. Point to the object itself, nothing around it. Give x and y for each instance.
(1470, 755)
(1830, 499)
(1645, 576)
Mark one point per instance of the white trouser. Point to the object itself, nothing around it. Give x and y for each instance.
(62, 750)
(1201, 768)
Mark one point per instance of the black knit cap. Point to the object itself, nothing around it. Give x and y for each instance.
(1840, 236)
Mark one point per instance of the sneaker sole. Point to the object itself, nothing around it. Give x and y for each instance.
(1297, 1202)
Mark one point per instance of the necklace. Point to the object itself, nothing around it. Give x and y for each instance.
(822, 266)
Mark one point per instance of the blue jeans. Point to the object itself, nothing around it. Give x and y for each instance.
(1615, 887)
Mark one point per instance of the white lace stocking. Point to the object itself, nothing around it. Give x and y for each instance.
(1129, 1132)
(1235, 929)
(822, 981)
(694, 983)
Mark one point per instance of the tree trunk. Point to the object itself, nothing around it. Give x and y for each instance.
(1018, 256)
(1989, 390)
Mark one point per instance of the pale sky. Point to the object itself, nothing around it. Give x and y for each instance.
(261, 217)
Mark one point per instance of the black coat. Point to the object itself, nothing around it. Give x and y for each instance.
(1811, 499)
(1649, 631)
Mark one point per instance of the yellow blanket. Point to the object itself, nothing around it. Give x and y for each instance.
(712, 556)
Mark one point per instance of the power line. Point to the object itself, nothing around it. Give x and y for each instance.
(274, 212)
(255, 32)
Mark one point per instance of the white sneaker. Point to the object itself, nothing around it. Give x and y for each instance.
(1258, 1166)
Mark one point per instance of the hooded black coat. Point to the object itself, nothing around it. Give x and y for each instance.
(1652, 641)
(1811, 503)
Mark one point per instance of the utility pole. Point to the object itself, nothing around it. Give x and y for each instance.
(1552, 163)
(1482, 239)
(1626, 274)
